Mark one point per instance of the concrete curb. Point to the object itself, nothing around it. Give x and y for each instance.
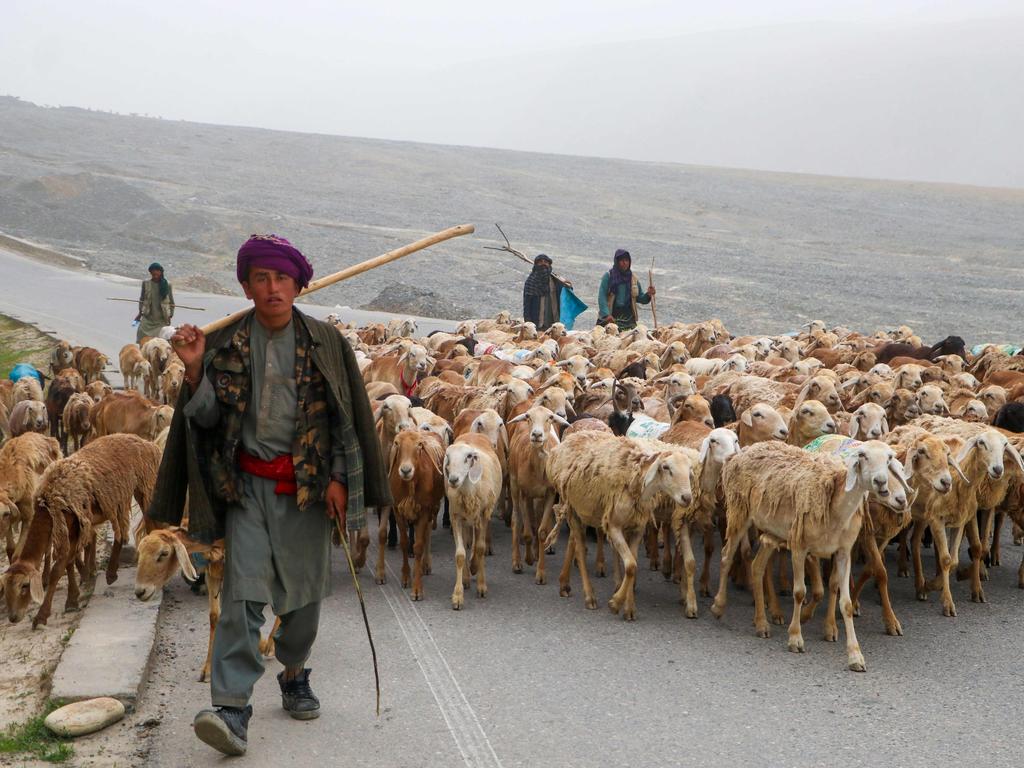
(109, 653)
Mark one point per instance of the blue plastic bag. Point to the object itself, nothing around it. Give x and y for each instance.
(569, 307)
(21, 370)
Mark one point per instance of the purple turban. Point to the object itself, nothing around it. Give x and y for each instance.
(273, 252)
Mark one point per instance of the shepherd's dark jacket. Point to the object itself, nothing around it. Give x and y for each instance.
(192, 455)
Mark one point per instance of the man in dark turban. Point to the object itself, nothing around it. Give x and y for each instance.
(272, 439)
(542, 294)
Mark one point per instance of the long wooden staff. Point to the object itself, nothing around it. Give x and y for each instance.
(358, 269)
(654, 299)
(176, 306)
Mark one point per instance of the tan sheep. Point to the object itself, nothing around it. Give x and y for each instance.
(134, 367)
(27, 388)
(811, 504)
(472, 478)
(614, 483)
(76, 420)
(23, 460)
(28, 416)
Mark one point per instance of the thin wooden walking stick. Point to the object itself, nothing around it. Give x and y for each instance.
(358, 269)
(654, 299)
(362, 606)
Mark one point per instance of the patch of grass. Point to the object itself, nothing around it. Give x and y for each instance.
(22, 343)
(33, 738)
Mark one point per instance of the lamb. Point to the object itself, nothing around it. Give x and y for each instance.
(417, 487)
(172, 379)
(60, 390)
(134, 367)
(98, 390)
(89, 362)
(157, 352)
(23, 460)
(614, 483)
(76, 420)
(95, 485)
(813, 505)
(28, 416)
(533, 496)
(472, 478)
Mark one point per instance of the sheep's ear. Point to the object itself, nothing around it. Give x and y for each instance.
(956, 467)
(476, 469)
(184, 560)
(477, 426)
(1010, 449)
(901, 475)
(520, 417)
(966, 450)
(503, 436)
(885, 425)
(747, 418)
(652, 472)
(852, 469)
(909, 469)
(449, 435)
(35, 587)
(704, 447)
(854, 427)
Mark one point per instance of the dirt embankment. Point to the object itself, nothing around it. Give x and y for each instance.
(23, 343)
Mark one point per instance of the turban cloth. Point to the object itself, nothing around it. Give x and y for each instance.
(273, 252)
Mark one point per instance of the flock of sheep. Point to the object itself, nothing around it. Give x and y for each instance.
(830, 444)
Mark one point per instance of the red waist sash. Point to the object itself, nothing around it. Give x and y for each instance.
(279, 468)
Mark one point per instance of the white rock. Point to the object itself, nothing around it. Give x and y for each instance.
(84, 717)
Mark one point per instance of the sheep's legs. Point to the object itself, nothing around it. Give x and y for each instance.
(214, 580)
(529, 522)
(599, 565)
(687, 595)
(708, 536)
(362, 543)
(992, 537)
(579, 550)
(564, 587)
(785, 587)
(419, 548)
(382, 538)
(974, 539)
(651, 534)
(428, 566)
(813, 568)
(403, 543)
(758, 571)
(767, 583)
(517, 526)
(796, 637)
(546, 521)
(458, 594)
(875, 567)
(922, 586)
(902, 560)
(855, 659)
(945, 559)
(480, 556)
(60, 565)
(732, 543)
(620, 599)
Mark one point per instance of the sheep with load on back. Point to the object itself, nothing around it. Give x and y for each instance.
(614, 483)
(813, 505)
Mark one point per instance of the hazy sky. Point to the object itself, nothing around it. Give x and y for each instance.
(643, 79)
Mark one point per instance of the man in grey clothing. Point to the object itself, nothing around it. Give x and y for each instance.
(272, 411)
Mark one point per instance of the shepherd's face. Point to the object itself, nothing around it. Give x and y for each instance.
(273, 293)
(622, 264)
(156, 274)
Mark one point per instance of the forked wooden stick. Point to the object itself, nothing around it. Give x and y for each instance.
(358, 269)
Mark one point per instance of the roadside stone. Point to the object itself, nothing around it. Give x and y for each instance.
(82, 717)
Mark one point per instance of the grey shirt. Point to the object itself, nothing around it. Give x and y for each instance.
(268, 428)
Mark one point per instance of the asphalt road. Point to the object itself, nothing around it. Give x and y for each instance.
(527, 678)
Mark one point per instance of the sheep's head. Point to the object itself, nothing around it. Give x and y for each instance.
(36, 419)
(719, 445)
(872, 467)
(909, 377)
(406, 450)
(161, 554)
(22, 586)
(161, 419)
(626, 398)
(764, 423)
(97, 390)
(578, 366)
(990, 446)
(556, 400)
(691, 408)
(518, 391)
(930, 461)
(541, 424)
(902, 406)
(463, 465)
(994, 397)
(869, 422)
(930, 400)
(394, 412)
(822, 389)
(490, 425)
(680, 384)
(8, 512)
(975, 412)
(812, 418)
(416, 360)
(670, 473)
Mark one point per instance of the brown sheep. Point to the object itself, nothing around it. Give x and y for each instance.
(95, 485)
(28, 416)
(57, 396)
(76, 420)
(417, 487)
(61, 357)
(89, 362)
(98, 390)
(134, 367)
(130, 413)
(23, 460)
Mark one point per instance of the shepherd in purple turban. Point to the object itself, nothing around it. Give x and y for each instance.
(273, 252)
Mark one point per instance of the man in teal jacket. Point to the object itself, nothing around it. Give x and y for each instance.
(620, 293)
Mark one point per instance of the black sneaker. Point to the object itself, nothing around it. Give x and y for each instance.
(224, 728)
(297, 697)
